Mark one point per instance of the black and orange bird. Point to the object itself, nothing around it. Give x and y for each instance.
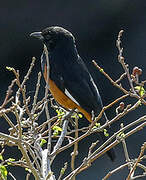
(70, 82)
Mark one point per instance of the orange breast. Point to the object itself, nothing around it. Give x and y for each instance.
(64, 100)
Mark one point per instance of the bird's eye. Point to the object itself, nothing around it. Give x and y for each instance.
(48, 36)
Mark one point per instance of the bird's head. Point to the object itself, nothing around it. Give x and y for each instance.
(52, 36)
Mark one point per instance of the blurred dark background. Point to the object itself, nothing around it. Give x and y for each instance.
(95, 24)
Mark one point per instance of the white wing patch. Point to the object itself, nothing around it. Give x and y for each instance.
(94, 85)
(70, 96)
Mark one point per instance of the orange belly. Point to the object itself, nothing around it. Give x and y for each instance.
(64, 100)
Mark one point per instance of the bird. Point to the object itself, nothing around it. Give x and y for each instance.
(69, 81)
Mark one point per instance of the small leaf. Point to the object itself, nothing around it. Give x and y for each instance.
(27, 169)
(1, 158)
(55, 133)
(139, 102)
(11, 160)
(106, 135)
(3, 172)
(80, 115)
(137, 87)
(141, 90)
(9, 68)
(35, 115)
(43, 141)
(97, 125)
(57, 128)
(77, 115)
(60, 113)
(105, 132)
(62, 171)
(101, 70)
(121, 135)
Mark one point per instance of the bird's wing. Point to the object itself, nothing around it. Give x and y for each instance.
(82, 88)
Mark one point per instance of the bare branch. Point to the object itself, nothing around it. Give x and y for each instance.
(75, 150)
(138, 160)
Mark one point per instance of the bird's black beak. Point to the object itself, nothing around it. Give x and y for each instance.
(37, 35)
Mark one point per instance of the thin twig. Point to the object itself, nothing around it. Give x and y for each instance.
(121, 60)
(116, 170)
(46, 94)
(10, 122)
(109, 78)
(120, 78)
(138, 160)
(62, 171)
(8, 93)
(75, 150)
(36, 93)
(28, 176)
(10, 174)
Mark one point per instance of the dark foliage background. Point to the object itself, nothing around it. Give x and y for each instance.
(95, 24)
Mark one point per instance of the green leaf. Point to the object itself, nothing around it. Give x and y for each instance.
(101, 70)
(77, 115)
(80, 115)
(43, 141)
(62, 171)
(9, 68)
(55, 133)
(121, 135)
(11, 160)
(105, 132)
(1, 158)
(141, 90)
(35, 115)
(97, 125)
(60, 113)
(57, 128)
(27, 169)
(3, 172)
(139, 102)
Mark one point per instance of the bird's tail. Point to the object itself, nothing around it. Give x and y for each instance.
(111, 153)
